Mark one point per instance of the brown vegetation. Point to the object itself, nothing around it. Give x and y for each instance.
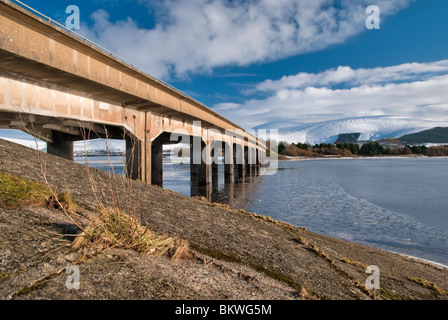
(115, 229)
(437, 151)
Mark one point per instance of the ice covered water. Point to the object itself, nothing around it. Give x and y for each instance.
(393, 204)
(315, 194)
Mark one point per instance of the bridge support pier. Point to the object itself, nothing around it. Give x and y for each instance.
(253, 161)
(133, 158)
(247, 166)
(157, 163)
(199, 167)
(62, 145)
(239, 160)
(263, 158)
(214, 165)
(228, 164)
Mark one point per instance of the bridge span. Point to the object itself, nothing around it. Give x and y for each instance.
(61, 88)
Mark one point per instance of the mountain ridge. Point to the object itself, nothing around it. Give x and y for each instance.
(434, 135)
(371, 128)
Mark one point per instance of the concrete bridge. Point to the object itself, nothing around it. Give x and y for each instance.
(61, 89)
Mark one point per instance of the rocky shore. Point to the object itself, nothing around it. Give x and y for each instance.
(233, 254)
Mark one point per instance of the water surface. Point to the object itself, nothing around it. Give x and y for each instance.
(393, 204)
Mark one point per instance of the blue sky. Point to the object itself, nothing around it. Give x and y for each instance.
(282, 60)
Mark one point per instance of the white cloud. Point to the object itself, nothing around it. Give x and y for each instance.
(291, 99)
(199, 35)
(349, 77)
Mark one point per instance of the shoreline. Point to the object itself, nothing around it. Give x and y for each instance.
(360, 158)
(430, 262)
(339, 158)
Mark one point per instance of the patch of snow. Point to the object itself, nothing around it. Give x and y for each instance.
(371, 128)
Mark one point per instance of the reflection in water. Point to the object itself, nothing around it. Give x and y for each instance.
(237, 194)
(234, 193)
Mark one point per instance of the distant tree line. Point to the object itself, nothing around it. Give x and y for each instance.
(318, 150)
(369, 149)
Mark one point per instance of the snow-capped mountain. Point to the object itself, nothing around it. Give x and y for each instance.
(371, 128)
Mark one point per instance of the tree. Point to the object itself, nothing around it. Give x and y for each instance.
(303, 146)
(367, 149)
(378, 149)
(416, 149)
(354, 148)
(407, 151)
(293, 151)
(281, 147)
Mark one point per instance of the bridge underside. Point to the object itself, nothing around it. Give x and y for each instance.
(60, 116)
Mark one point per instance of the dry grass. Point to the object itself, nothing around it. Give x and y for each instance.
(302, 241)
(332, 263)
(63, 201)
(428, 284)
(259, 217)
(354, 263)
(116, 229)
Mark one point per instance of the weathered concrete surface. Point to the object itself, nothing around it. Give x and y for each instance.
(279, 256)
(33, 262)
